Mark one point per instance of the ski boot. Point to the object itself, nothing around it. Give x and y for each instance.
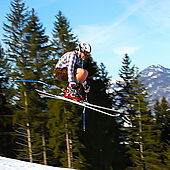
(72, 92)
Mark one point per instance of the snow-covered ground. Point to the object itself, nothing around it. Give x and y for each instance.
(13, 164)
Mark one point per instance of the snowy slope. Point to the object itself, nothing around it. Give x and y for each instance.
(13, 164)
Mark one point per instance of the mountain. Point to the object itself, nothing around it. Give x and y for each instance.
(157, 79)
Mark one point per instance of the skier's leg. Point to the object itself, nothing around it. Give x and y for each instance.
(81, 75)
(73, 88)
(61, 74)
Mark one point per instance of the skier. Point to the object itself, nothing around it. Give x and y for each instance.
(70, 68)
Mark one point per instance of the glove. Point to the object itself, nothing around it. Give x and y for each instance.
(87, 88)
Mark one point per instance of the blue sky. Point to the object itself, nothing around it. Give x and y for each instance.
(140, 28)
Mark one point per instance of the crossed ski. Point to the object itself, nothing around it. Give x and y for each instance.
(84, 104)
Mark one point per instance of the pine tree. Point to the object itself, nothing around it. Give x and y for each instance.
(6, 111)
(102, 133)
(138, 115)
(162, 111)
(64, 118)
(120, 96)
(14, 36)
(38, 51)
(27, 51)
(142, 134)
(121, 101)
(126, 73)
(63, 38)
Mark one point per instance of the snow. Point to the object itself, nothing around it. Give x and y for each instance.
(160, 70)
(150, 85)
(154, 77)
(150, 73)
(13, 164)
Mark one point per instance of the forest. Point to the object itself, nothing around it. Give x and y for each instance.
(49, 131)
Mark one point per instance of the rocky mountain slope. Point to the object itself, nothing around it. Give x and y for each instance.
(156, 78)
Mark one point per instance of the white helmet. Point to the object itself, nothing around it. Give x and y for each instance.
(85, 47)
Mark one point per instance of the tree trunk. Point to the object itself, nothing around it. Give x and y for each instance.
(68, 150)
(28, 129)
(29, 143)
(68, 144)
(140, 133)
(44, 150)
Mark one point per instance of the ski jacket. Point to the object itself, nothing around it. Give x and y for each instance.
(70, 60)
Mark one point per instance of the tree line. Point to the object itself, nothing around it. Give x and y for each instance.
(50, 131)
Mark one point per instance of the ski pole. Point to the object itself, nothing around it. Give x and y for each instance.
(84, 115)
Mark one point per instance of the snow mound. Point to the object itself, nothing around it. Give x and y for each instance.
(13, 164)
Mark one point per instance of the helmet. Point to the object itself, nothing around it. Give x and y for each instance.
(85, 47)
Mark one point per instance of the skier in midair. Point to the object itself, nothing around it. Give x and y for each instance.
(70, 68)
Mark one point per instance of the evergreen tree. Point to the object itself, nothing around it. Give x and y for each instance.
(27, 51)
(38, 51)
(121, 101)
(64, 118)
(121, 96)
(126, 74)
(6, 111)
(63, 38)
(142, 132)
(14, 36)
(162, 111)
(102, 134)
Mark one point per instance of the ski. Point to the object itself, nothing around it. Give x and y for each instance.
(56, 87)
(93, 105)
(101, 107)
(84, 104)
